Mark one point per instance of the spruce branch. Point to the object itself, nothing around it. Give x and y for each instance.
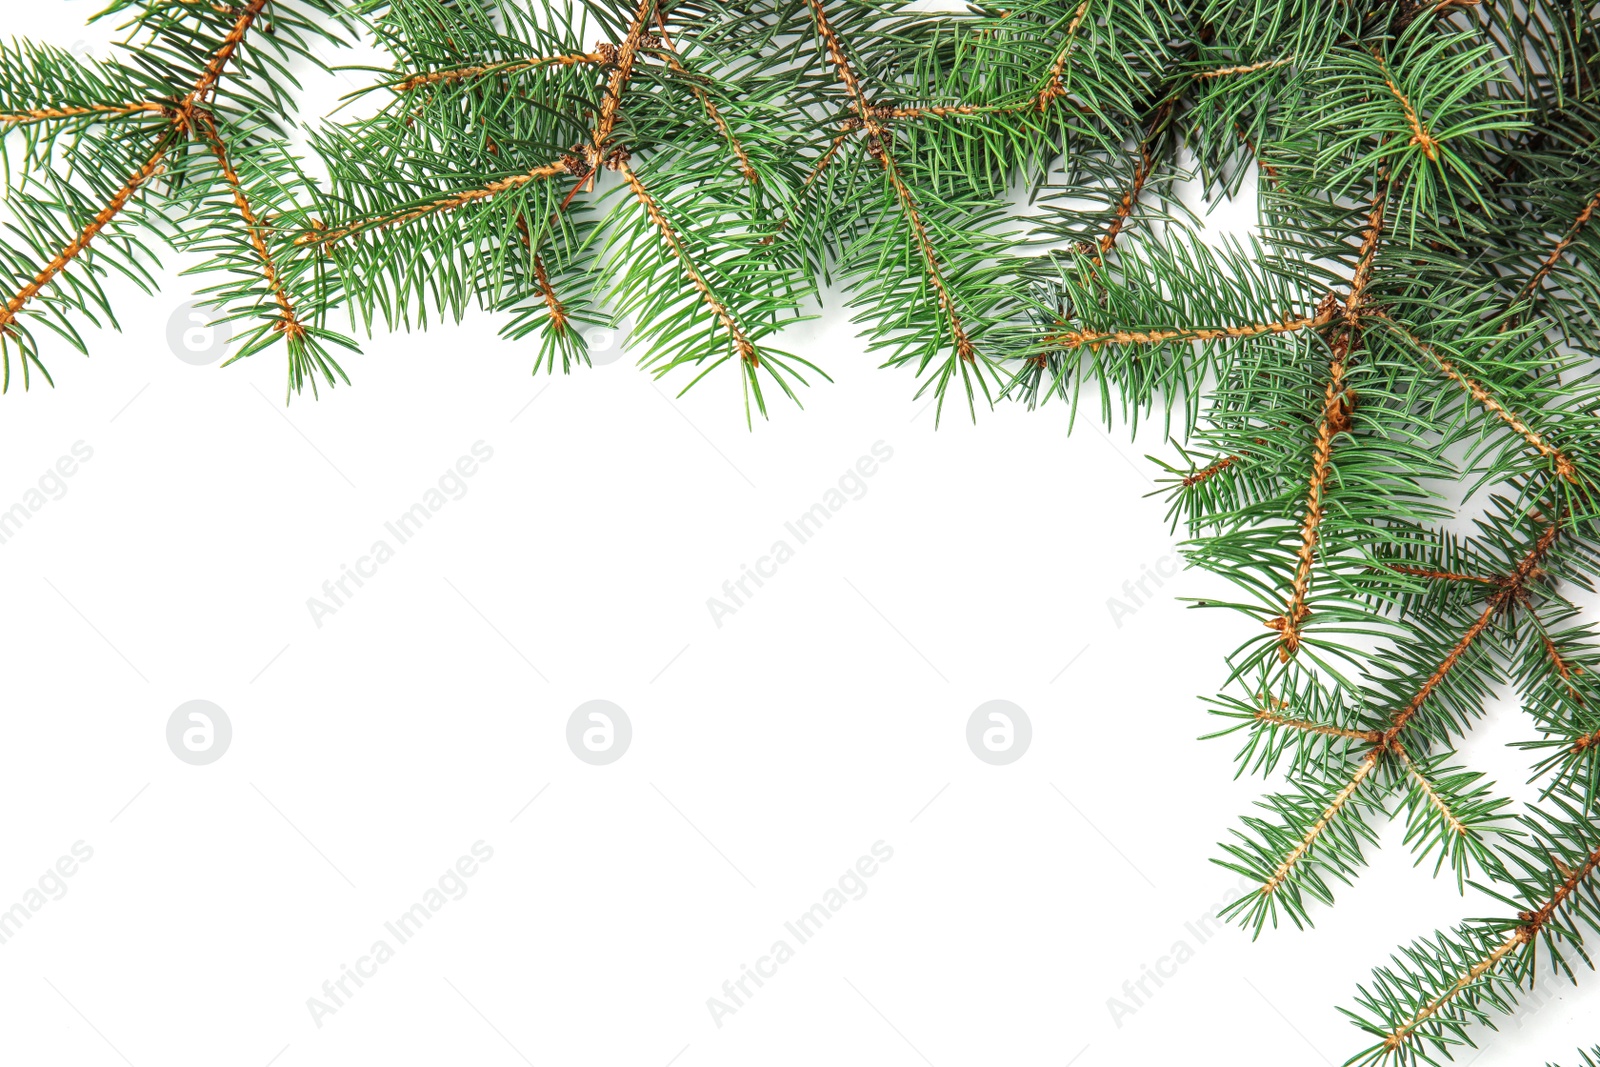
(1382, 405)
(742, 346)
(1589, 208)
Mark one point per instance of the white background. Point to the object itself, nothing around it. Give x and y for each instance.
(768, 755)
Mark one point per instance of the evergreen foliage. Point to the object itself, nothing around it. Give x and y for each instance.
(1386, 400)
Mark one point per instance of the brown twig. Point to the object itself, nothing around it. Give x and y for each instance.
(558, 310)
(1194, 478)
(621, 73)
(846, 72)
(108, 111)
(827, 157)
(221, 57)
(1223, 72)
(1055, 86)
(1447, 576)
(1277, 719)
(626, 54)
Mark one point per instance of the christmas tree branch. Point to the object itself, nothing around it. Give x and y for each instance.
(180, 119)
(743, 348)
(489, 70)
(1071, 339)
(288, 322)
(327, 238)
(63, 259)
(1335, 807)
(879, 141)
(706, 102)
(1524, 934)
(1334, 419)
(1561, 247)
(1429, 791)
(102, 111)
(1563, 465)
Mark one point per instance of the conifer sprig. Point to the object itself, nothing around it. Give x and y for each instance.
(1382, 403)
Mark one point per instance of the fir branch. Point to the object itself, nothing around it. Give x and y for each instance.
(930, 256)
(327, 238)
(558, 310)
(1071, 339)
(1562, 464)
(289, 323)
(1419, 133)
(1211, 470)
(1247, 68)
(1430, 792)
(1337, 404)
(1550, 261)
(487, 70)
(1510, 589)
(1309, 839)
(180, 118)
(879, 142)
(1532, 923)
(743, 348)
(706, 102)
(99, 111)
(69, 254)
